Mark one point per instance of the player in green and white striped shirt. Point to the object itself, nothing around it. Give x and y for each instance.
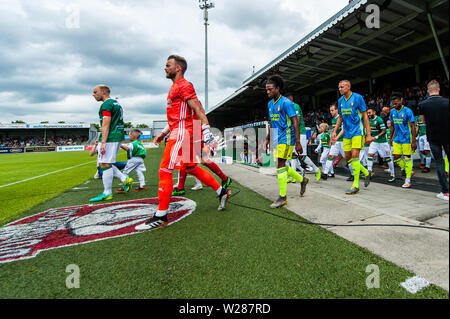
(380, 145)
(423, 145)
(136, 154)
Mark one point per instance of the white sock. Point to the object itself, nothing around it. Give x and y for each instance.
(422, 158)
(293, 164)
(299, 166)
(370, 164)
(308, 161)
(328, 166)
(428, 161)
(117, 173)
(108, 176)
(141, 178)
(197, 182)
(391, 167)
(219, 190)
(161, 213)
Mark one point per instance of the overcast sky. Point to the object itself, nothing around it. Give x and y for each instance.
(53, 52)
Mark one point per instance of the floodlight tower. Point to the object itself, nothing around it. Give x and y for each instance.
(205, 5)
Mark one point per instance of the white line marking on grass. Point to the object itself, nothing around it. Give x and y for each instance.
(29, 179)
(415, 284)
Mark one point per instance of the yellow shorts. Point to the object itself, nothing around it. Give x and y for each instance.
(283, 151)
(354, 142)
(402, 149)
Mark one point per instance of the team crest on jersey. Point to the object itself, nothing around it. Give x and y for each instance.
(278, 109)
(68, 226)
(351, 103)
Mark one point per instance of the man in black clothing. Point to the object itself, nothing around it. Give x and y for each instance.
(434, 112)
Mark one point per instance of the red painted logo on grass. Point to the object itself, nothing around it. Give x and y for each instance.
(76, 225)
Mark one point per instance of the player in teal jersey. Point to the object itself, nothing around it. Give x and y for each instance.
(353, 116)
(380, 145)
(136, 154)
(303, 140)
(285, 135)
(112, 135)
(423, 145)
(403, 136)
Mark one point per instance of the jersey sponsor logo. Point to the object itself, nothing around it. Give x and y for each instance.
(68, 226)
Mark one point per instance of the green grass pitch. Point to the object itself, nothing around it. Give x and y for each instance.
(237, 253)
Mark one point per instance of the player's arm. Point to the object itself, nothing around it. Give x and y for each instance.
(124, 147)
(369, 138)
(338, 125)
(105, 132)
(208, 137)
(391, 138)
(267, 141)
(94, 149)
(296, 123)
(158, 139)
(413, 133)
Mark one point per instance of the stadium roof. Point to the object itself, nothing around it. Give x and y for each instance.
(344, 47)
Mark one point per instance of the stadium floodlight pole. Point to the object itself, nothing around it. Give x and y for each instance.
(438, 44)
(205, 5)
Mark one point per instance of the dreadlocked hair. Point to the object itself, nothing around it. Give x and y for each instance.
(276, 80)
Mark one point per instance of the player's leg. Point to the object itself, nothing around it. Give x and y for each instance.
(179, 189)
(105, 161)
(305, 158)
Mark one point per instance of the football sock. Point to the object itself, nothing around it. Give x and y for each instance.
(350, 166)
(117, 173)
(216, 170)
(391, 166)
(428, 160)
(107, 179)
(401, 163)
(370, 163)
(141, 178)
(422, 158)
(205, 177)
(282, 180)
(356, 170)
(308, 161)
(328, 166)
(408, 167)
(293, 173)
(165, 188)
(182, 174)
(160, 213)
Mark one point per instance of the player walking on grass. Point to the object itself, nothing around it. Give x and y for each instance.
(111, 136)
(303, 140)
(403, 136)
(182, 104)
(353, 116)
(136, 154)
(380, 144)
(284, 128)
(203, 157)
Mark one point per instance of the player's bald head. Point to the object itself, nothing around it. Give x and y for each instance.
(345, 82)
(103, 87)
(101, 92)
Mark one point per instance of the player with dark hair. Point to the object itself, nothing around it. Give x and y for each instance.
(303, 140)
(284, 129)
(403, 136)
(182, 104)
